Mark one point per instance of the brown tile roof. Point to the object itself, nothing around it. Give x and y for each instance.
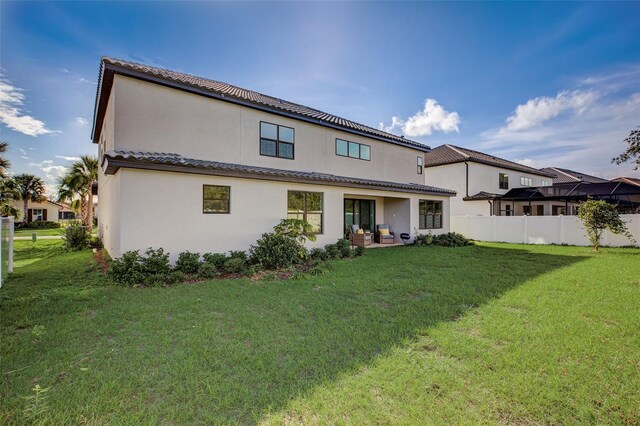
(482, 195)
(229, 93)
(449, 154)
(561, 175)
(627, 179)
(177, 163)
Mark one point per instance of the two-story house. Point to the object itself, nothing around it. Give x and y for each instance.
(481, 180)
(188, 163)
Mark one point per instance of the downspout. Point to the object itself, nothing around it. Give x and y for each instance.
(467, 176)
(490, 208)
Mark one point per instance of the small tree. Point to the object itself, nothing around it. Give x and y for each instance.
(632, 153)
(598, 215)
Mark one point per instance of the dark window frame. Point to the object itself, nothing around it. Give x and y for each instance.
(360, 145)
(277, 141)
(503, 183)
(433, 214)
(228, 199)
(304, 211)
(420, 163)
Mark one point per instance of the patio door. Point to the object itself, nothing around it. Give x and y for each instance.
(359, 212)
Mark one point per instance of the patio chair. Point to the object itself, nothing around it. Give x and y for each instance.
(384, 234)
(357, 238)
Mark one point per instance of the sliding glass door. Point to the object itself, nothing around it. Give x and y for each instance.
(359, 212)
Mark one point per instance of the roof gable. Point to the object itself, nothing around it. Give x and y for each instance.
(561, 175)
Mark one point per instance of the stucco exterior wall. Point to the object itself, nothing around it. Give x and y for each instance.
(150, 117)
(52, 209)
(141, 209)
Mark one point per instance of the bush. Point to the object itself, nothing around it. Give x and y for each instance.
(234, 265)
(423, 239)
(598, 215)
(451, 239)
(151, 269)
(274, 251)
(175, 277)
(332, 251)
(38, 224)
(359, 251)
(96, 243)
(216, 259)
(155, 262)
(238, 254)
(188, 262)
(318, 254)
(76, 238)
(343, 247)
(126, 269)
(155, 280)
(207, 270)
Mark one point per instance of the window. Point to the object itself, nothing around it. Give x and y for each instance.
(430, 214)
(307, 206)
(506, 211)
(545, 182)
(525, 181)
(215, 198)
(503, 181)
(276, 141)
(353, 150)
(37, 214)
(526, 210)
(420, 164)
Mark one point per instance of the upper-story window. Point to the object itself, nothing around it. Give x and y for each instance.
(353, 150)
(420, 164)
(276, 141)
(545, 182)
(503, 181)
(525, 181)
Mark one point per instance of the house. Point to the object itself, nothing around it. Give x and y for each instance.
(66, 212)
(562, 176)
(480, 181)
(42, 210)
(626, 179)
(188, 163)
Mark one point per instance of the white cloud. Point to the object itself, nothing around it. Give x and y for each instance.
(81, 121)
(51, 172)
(22, 151)
(529, 162)
(538, 110)
(12, 114)
(64, 157)
(432, 118)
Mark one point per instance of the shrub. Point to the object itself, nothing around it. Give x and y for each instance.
(234, 265)
(216, 259)
(343, 247)
(599, 215)
(332, 251)
(207, 270)
(175, 277)
(188, 262)
(318, 254)
(298, 229)
(359, 251)
(38, 224)
(451, 239)
(76, 238)
(155, 280)
(423, 239)
(274, 251)
(155, 262)
(96, 243)
(126, 269)
(238, 254)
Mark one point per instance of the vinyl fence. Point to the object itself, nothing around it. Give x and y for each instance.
(6, 248)
(538, 229)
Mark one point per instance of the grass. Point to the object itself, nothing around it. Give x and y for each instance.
(492, 333)
(38, 232)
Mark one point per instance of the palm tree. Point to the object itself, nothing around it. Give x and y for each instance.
(77, 184)
(30, 188)
(8, 193)
(4, 163)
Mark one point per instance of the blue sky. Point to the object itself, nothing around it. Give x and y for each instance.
(546, 84)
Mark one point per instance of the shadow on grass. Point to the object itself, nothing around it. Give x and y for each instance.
(231, 351)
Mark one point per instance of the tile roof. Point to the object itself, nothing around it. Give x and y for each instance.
(228, 92)
(178, 163)
(482, 195)
(627, 179)
(449, 154)
(561, 175)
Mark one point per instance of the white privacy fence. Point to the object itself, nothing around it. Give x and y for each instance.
(6, 248)
(538, 229)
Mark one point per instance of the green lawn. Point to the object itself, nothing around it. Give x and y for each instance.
(492, 333)
(38, 232)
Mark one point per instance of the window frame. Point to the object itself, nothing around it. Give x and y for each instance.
(502, 175)
(304, 211)
(545, 182)
(277, 141)
(526, 179)
(228, 200)
(420, 164)
(434, 214)
(360, 145)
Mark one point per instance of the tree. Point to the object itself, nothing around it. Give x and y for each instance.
(632, 153)
(30, 188)
(4, 163)
(77, 184)
(8, 193)
(598, 215)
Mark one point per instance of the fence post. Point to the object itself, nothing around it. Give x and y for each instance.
(526, 229)
(11, 234)
(562, 229)
(494, 228)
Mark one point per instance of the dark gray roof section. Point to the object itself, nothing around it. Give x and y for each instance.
(176, 163)
(575, 191)
(482, 195)
(449, 154)
(227, 92)
(561, 175)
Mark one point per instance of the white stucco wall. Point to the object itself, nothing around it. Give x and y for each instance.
(141, 209)
(52, 209)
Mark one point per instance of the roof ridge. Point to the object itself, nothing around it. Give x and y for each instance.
(457, 149)
(565, 173)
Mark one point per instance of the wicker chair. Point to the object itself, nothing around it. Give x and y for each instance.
(384, 239)
(361, 240)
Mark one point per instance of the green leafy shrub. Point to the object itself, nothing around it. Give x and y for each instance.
(96, 243)
(298, 229)
(238, 254)
(126, 269)
(332, 251)
(423, 239)
(76, 238)
(234, 265)
(175, 277)
(451, 239)
(155, 262)
(344, 248)
(274, 251)
(216, 259)
(188, 262)
(359, 251)
(156, 280)
(207, 270)
(318, 254)
(598, 215)
(38, 224)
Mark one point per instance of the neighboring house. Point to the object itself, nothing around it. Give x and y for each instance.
(45, 210)
(481, 179)
(66, 212)
(188, 163)
(562, 176)
(626, 179)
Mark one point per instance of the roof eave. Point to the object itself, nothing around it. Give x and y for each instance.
(488, 163)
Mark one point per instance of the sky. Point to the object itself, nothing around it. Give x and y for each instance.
(544, 84)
